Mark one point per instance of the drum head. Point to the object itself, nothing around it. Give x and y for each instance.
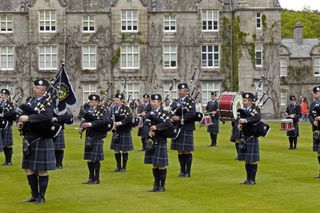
(237, 104)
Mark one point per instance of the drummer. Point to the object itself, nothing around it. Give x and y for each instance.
(212, 110)
(293, 112)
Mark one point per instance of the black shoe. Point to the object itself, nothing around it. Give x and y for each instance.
(9, 164)
(317, 176)
(96, 181)
(245, 182)
(59, 167)
(117, 170)
(40, 201)
(187, 175)
(182, 174)
(154, 189)
(90, 181)
(29, 200)
(123, 170)
(290, 148)
(161, 189)
(4, 164)
(251, 182)
(210, 145)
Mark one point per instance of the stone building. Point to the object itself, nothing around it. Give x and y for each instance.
(299, 66)
(150, 43)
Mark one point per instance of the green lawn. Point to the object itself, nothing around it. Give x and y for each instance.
(285, 180)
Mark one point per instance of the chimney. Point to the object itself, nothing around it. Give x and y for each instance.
(298, 33)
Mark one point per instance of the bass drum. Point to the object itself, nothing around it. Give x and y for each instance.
(228, 104)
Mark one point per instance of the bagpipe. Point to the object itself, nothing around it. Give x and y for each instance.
(6, 117)
(42, 129)
(257, 129)
(316, 129)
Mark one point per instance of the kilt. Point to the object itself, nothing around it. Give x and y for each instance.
(294, 133)
(184, 142)
(6, 135)
(125, 143)
(158, 157)
(41, 157)
(252, 151)
(96, 153)
(1, 145)
(316, 145)
(214, 128)
(59, 140)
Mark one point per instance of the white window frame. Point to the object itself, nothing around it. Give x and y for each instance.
(128, 56)
(283, 67)
(89, 57)
(6, 24)
(89, 22)
(49, 53)
(170, 55)
(169, 21)
(6, 58)
(283, 97)
(258, 49)
(259, 21)
(129, 19)
(50, 21)
(166, 87)
(210, 16)
(133, 89)
(206, 88)
(210, 56)
(88, 89)
(316, 66)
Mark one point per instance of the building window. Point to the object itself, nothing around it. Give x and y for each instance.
(6, 58)
(48, 57)
(166, 90)
(6, 24)
(259, 21)
(129, 21)
(283, 97)
(169, 23)
(88, 23)
(129, 57)
(283, 66)
(133, 91)
(47, 21)
(89, 57)
(170, 57)
(210, 20)
(206, 89)
(210, 56)
(88, 89)
(258, 54)
(316, 66)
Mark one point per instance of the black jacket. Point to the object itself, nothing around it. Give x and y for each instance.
(124, 116)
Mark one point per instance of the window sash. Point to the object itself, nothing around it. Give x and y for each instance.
(129, 57)
(207, 88)
(169, 23)
(6, 58)
(129, 21)
(170, 57)
(48, 57)
(258, 21)
(258, 55)
(88, 89)
(89, 57)
(283, 67)
(88, 23)
(133, 90)
(283, 98)
(210, 20)
(210, 56)
(316, 66)
(47, 21)
(6, 24)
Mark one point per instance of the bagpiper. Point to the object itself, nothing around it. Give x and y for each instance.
(143, 109)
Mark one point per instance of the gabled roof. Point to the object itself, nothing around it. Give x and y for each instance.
(87, 5)
(300, 51)
(12, 5)
(172, 5)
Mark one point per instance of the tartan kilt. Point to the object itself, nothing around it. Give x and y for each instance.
(59, 141)
(158, 157)
(1, 145)
(96, 153)
(6, 135)
(294, 133)
(184, 142)
(125, 143)
(316, 145)
(214, 128)
(41, 157)
(252, 151)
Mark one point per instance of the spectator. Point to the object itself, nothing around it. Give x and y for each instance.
(304, 109)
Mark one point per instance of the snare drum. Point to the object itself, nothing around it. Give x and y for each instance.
(228, 104)
(206, 121)
(287, 124)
